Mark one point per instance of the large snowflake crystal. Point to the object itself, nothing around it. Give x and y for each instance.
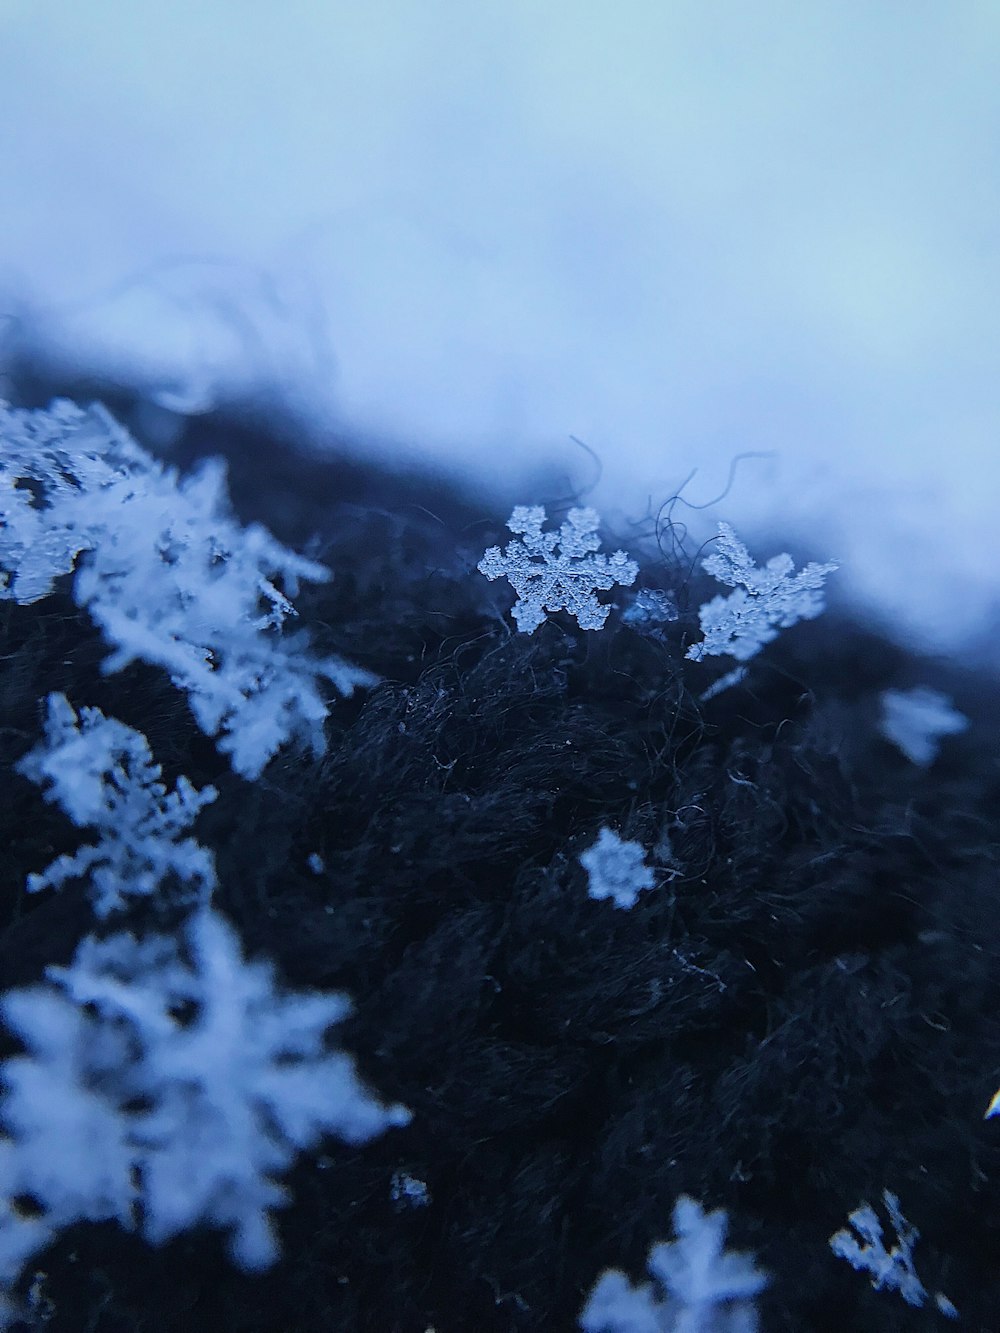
(547, 579)
(168, 574)
(700, 1286)
(169, 1084)
(616, 869)
(102, 774)
(764, 601)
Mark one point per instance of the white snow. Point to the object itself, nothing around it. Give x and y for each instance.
(466, 232)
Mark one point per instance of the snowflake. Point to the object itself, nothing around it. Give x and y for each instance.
(408, 1191)
(649, 610)
(102, 774)
(705, 1289)
(61, 473)
(616, 869)
(893, 1269)
(765, 600)
(166, 1091)
(167, 574)
(914, 720)
(735, 677)
(547, 581)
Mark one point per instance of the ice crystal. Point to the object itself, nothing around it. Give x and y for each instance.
(915, 720)
(549, 579)
(705, 1289)
(616, 869)
(890, 1269)
(167, 573)
(102, 774)
(764, 601)
(167, 1091)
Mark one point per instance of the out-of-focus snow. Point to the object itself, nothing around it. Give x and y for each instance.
(677, 231)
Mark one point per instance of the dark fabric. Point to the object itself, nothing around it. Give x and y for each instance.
(802, 1012)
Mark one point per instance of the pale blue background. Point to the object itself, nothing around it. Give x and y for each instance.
(465, 231)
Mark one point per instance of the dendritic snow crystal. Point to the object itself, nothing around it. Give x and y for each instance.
(167, 573)
(892, 1269)
(102, 774)
(702, 1287)
(650, 609)
(616, 869)
(764, 601)
(915, 720)
(166, 1086)
(565, 579)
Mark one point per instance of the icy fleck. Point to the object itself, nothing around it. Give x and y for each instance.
(407, 1191)
(764, 601)
(914, 720)
(102, 774)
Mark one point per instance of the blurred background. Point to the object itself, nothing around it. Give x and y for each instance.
(455, 235)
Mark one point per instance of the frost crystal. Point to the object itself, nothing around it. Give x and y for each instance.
(102, 774)
(165, 1093)
(735, 677)
(892, 1269)
(547, 580)
(915, 719)
(407, 1191)
(616, 869)
(649, 609)
(167, 573)
(765, 600)
(705, 1289)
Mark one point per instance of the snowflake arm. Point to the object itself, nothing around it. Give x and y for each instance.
(763, 601)
(705, 1289)
(565, 580)
(58, 469)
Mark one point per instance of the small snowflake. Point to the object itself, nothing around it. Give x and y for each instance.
(407, 1191)
(765, 600)
(616, 869)
(545, 580)
(892, 1269)
(102, 774)
(649, 610)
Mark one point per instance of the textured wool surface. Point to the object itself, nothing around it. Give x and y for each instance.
(800, 1013)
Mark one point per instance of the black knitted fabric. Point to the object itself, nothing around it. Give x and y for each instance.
(801, 1013)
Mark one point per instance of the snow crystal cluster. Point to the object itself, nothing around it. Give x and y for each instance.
(165, 1082)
